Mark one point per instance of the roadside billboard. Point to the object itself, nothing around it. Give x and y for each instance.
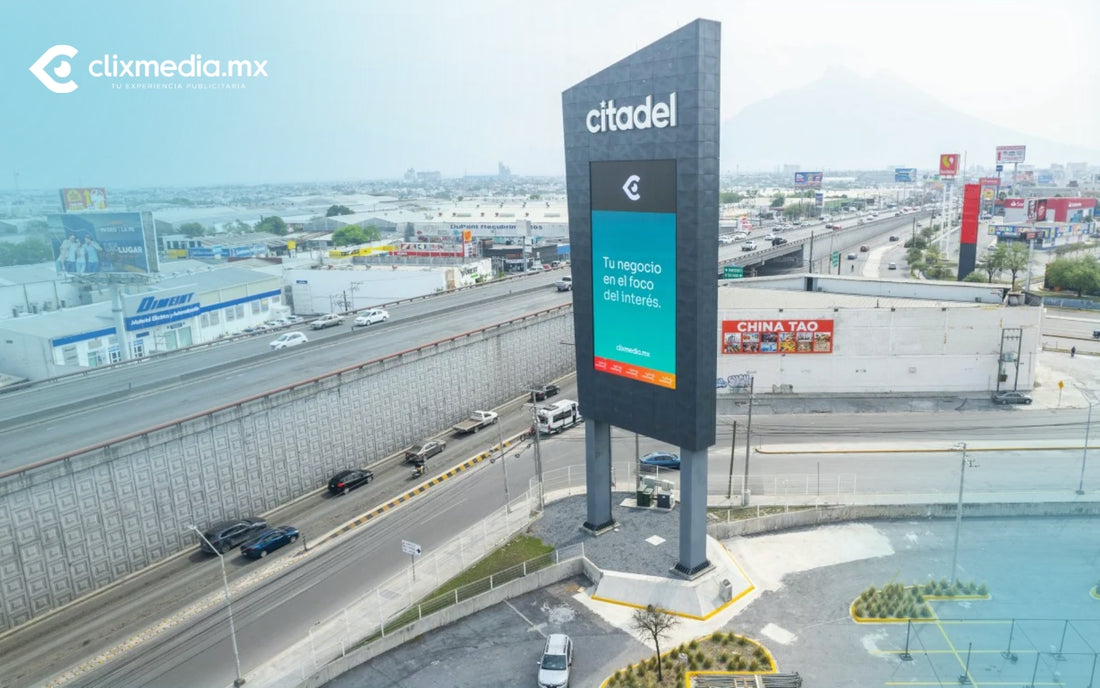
(104, 242)
(949, 164)
(74, 200)
(1011, 154)
(642, 189)
(905, 174)
(989, 186)
(777, 336)
(808, 180)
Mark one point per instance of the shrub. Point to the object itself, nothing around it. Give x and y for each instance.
(694, 644)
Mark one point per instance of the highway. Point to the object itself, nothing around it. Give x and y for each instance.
(868, 448)
(84, 410)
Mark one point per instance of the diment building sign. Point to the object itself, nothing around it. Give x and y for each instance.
(777, 336)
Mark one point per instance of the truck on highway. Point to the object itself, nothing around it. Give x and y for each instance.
(476, 421)
(565, 283)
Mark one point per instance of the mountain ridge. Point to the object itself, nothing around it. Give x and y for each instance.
(846, 121)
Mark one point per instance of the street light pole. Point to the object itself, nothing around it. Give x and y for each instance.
(1085, 453)
(239, 681)
(958, 511)
(500, 434)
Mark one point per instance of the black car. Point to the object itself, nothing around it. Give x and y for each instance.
(226, 535)
(423, 452)
(894, 237)
(545, 392)
(778, 241)
(269, 541)
(346, 481)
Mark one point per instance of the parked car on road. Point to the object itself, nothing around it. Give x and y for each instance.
(346, 481)
(269, 541)
(374, 315)
(425, 451)
(1010, 396)
(557, 658)
(661, 459)
(226, 535)
(330, 320)
(288, 339)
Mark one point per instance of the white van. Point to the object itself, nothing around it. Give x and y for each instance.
(561, 415)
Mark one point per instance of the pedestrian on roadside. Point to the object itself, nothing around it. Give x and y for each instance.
(1072, 351)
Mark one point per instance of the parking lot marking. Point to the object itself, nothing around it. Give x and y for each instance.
(525, 619)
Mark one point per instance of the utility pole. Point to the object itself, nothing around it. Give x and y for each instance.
(733, 451)
(748, 441)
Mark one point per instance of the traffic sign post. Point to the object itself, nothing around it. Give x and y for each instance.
(413, 550)
(732, 272)
(835, 260)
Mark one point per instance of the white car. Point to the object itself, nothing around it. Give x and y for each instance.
(748, 246)
(769, 236)
(737, 236)
(288, 339)
(330, 320)
(374, 315)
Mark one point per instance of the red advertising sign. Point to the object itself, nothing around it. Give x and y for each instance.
(75, 200)
(949, 164)
(968, 229)
(989, 181)
(777, 336)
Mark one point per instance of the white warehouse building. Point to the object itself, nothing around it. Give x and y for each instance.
(821, 334)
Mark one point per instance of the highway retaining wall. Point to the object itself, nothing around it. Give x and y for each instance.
(85, 520)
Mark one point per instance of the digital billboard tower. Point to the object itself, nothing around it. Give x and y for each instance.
(641, 155)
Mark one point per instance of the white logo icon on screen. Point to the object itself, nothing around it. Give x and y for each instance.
(631, 187)
(62, 70)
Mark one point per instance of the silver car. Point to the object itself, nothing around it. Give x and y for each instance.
(556, 660)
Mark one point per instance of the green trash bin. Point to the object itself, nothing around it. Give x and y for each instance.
(645, 497)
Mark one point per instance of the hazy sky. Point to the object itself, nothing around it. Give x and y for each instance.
(358, 89)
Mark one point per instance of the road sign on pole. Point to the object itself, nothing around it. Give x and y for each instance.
(836, 259)
(732, 272)
(413, 550)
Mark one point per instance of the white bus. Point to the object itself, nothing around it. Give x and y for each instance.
(560, 415)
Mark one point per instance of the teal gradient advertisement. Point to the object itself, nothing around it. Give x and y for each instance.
(634, 295)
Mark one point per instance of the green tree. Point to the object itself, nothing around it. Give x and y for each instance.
(1012, 257)
(988, 264)
(273, 225)
(192, 229)
(335, 210)
(238, 227)
(1081, 275)
(27, 252)
(730, 197)
(777, 201)
(975, 276)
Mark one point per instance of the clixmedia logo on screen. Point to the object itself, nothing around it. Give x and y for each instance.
(55, 70)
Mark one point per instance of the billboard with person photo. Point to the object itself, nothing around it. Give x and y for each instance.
(94, 243)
